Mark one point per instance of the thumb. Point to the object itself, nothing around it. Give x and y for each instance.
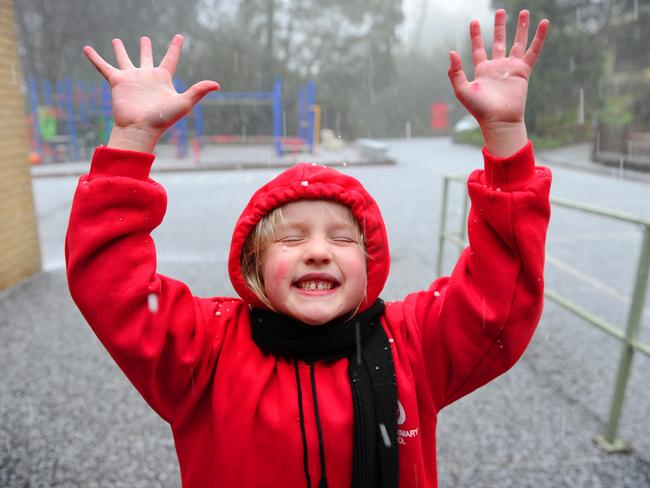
(196, 92)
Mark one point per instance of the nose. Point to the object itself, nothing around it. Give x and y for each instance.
(317, 251)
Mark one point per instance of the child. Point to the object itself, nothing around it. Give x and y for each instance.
(309, 378)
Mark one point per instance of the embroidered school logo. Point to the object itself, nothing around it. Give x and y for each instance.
(404, 434)
(401, 414)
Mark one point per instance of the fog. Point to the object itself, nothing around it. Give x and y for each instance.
(430, 23)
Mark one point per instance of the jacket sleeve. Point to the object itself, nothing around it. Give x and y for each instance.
(474, 325)
(156, 331)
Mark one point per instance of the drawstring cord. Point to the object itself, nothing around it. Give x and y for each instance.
(323, 479)
(305, 451)
(321, 444)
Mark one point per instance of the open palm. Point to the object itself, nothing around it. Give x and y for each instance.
(145, 97)
(500, 86)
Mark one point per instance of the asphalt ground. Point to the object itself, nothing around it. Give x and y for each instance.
(68, 416)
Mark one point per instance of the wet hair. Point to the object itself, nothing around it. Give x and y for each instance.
(263, 235)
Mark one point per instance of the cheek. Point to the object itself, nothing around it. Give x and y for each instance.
(355, 264)
(275, 269)
(280, 272)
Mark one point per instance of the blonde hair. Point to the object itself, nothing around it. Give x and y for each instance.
(263, 235)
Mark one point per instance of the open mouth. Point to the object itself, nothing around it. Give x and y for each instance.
(315, 285)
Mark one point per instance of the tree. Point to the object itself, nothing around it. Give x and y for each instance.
(51, 34)
(347, 47)
(572, 60)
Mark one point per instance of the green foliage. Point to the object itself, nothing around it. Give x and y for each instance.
(472, 137)
(617, 112)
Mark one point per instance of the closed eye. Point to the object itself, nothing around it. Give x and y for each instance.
(288, 239)
(345, 240)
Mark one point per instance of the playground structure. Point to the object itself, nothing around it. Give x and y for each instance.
(68, 122)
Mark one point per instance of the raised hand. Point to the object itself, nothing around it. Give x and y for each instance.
(497, 95)
(144, 99)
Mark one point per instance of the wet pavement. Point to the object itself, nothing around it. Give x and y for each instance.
(69, 418)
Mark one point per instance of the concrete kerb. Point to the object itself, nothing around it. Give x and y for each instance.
(80, 168)
(229, 158)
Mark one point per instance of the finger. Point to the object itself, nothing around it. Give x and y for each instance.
(173, 54)
(456, 74)
(196, 92)
(122, 57)
(538, 43)
(98, 62)
(478, 52)
(146, 55)
(521, 36)
(499, 41)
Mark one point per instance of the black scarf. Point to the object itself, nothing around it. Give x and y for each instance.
(372, 379)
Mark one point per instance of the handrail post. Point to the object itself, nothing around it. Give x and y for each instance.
(463, 218)
(441, 227)
(610, 442)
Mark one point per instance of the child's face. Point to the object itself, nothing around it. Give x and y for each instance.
(315, 270)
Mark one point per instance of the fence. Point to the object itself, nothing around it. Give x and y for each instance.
(609, 441)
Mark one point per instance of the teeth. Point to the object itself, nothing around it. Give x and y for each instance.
(316, 285)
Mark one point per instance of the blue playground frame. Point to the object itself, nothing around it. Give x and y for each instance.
(79, 105)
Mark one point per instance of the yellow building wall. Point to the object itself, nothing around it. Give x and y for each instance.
(19, 249)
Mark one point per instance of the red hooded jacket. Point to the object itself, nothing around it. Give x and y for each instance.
(233, 410)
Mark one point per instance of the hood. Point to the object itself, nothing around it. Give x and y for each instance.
(312, 181)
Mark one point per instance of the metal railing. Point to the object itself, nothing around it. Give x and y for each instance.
(609, 441)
